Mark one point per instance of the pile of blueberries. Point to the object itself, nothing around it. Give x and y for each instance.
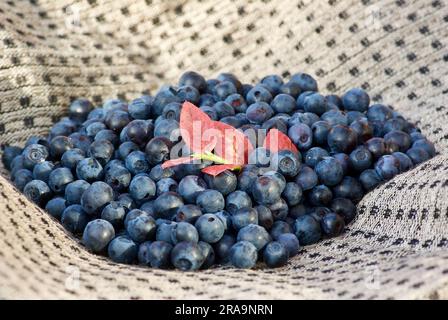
(99, 172)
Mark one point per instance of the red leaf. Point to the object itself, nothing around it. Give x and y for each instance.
(233, 145)
(175, 162)
(193, 124)
(276, 140)
(217, 169)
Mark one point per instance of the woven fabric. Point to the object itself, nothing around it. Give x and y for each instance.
(53, 51)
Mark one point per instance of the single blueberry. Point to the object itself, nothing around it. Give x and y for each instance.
(387, 167)
(332, 224)
(275, 254)
(56, 206)
(167, 204)
(89, 169)
(301, 135)
(142, 187)
(74, 191)
(141, 228)
(307, 230)
(292, 193)
(96, 197)
(190, 186)
(244, 217)
(254, 234)
(74, 219)
(97, 235)
(210, 228)
(210, 201)
(122, 250)
(188, 213)
(159, 254)
(291, 243)
(225, 182)
(356, 99)
(243, 255)
(329, 171)
(38, 192)
(370, 179)
(136, 162)
(59, 178)
(306, 178)
(114, 212)
(187, 256)
(41, 171)
(345, 208)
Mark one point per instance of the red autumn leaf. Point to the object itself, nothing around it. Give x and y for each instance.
(193, 123)
(217, 169)
(233, 145)
(276, 140)
(175, 162)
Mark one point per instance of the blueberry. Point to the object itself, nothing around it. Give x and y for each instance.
(306, 178)
(211, 112)
(265, 218)
(292, 193)
(283, 103)
(71, 157)
(387, 167)
(126, 201)
(157, 150)
(354, 116)
(114, 212)
(259, 112)
(139, 131)
(272, 83)
(279, 227)
(301, 135)
(363, 129)
(225, 76)
(266, 190)
(140, 108)
(393, 124)
(141, 228)
(194, 79)
(80, 141)
(342, 139)
(244, 217)
(21, 178)
(136, 162)
(38, 192)
(279, 209)
(315, 103)
(172, 111)
(157, 173)
(332, 224)
(56, 206)
(96, 197)
(428, 146)
(225, 182)
(307, 230)
(356, 99)
(335, 117)
(376, 146)
(223, 109)
(59, 178)
(416, 135)
(399, 138)
(320, 131)
(261, 157)
(144, 250)
(348, 188)
(142, 188)
(148, 207)
(210, 201)
(259, 93)
(59, 145)
(89, 169)
(305, 81)
(243, 255)
(74, 219)
(278, 177)
(275, 255)
(360, 159)
(287, 162)
(274, 123)
(290, 242)
(210, 228)
(114, 104)
(164, 230)
(16, 165)
(167, 204)
(379, 113)
(345, 208)
(314, 155)
(93, 127)
(254, 234)
(118, 177)
(159, 254)
(117, 120)
(41, 171)
(188, 213)
(418, 155)
(97, 114)
(122, 250)
(370, 179)
(320, 195)
(162, 98)
(329, 171)
(9, 153)
(187, 256)
(290, 88)
(237, 102)
(34, 154)
(223, 246)
(224, 89)
(74, 191)
(190, 187)
(79, 110)
(165, 185)
(405, 162)
(97, 235)
(188, 93)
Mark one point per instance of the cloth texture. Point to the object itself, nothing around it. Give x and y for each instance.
(54, 51)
